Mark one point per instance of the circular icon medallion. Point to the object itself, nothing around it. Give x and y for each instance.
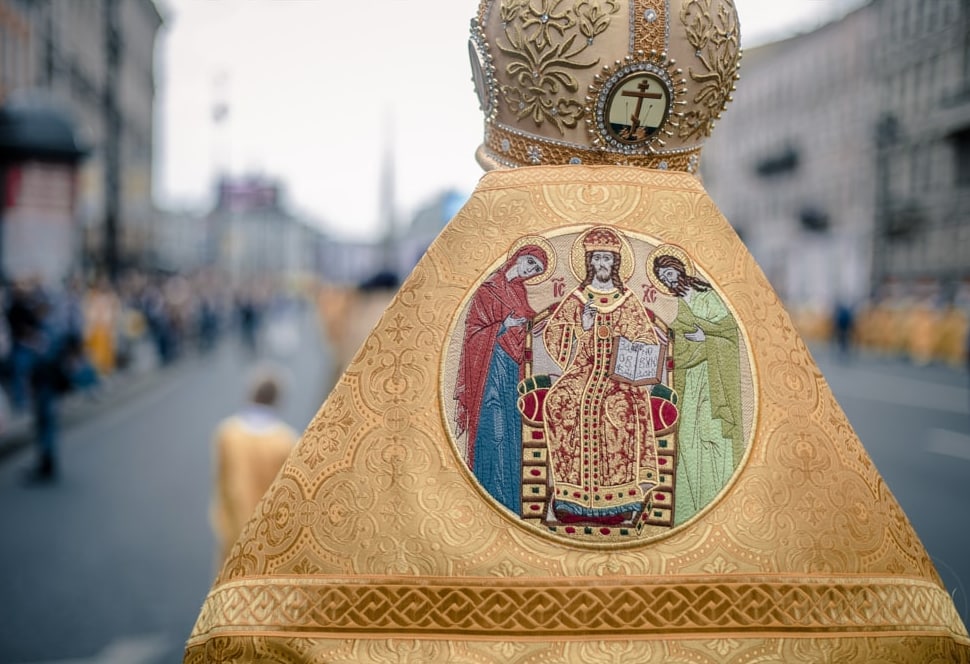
(597, 386)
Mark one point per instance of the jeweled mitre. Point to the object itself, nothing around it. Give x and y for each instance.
(632, 82)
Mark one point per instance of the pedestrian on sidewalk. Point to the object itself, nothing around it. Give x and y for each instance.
(24, 324)
(58, 357)
(250, 447)
(844, 319)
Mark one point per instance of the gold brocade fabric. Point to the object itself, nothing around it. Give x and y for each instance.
(387, 537)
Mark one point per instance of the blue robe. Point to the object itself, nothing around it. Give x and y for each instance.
(498, 447)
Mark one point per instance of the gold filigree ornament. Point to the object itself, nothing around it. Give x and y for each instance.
(712, 30)
(636, 104)
(545, 42)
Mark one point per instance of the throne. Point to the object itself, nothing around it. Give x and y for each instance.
(658, 508)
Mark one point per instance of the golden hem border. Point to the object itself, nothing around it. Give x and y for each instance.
(502, 608)
(242, 632)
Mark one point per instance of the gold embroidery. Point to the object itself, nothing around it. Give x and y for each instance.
(509, 149)
(649, 19)
(511, 607)
(545, 41)
(712, 30)
(390, 497)
(821, 648)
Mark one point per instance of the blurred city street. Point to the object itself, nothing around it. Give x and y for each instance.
(112, 562)
(183, 203)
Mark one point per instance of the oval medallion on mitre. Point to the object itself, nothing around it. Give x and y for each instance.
(597, 387)
(634, 104)
(637, 107)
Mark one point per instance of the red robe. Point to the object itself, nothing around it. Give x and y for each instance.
(600, 434)
(492, 303)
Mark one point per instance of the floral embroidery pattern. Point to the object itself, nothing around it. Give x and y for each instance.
(545, 39)
(712, 29)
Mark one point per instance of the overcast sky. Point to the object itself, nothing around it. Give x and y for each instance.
(314, 88)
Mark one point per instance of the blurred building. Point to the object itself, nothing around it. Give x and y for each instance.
(429, 220)
(845, 159)
(923, 165)
(250, 234)
(791, 164)
(15, 36)
(96, 57)
(181, 242)
(351, 262)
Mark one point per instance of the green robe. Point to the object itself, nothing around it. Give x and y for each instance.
(707, 379)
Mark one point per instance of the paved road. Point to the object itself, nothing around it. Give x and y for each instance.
(111, 564)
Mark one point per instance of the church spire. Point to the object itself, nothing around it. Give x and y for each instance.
(387, 214)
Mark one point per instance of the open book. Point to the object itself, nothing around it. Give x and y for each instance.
(637, 362)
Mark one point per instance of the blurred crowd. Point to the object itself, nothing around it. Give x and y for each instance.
(82, 335)
(921, 321)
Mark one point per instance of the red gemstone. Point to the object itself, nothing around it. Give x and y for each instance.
(535, 473)
(535, 508)
(609, 496)
(605, 531)
(571, 530)
(661, 496)
(662, 461)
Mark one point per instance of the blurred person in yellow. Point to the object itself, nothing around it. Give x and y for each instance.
(922, 318)
(881, 326)
(378, 543)
(951, 339)
(249, 449)
(102, 320)
(923, 330)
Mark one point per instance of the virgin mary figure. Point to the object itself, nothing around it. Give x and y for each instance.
(491, 365)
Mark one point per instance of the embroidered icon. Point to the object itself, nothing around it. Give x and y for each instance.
(609, 409)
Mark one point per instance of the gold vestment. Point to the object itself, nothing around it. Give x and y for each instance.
(585, 429)
(377, 544)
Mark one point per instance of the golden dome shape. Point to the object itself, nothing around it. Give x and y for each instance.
(617, 82)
